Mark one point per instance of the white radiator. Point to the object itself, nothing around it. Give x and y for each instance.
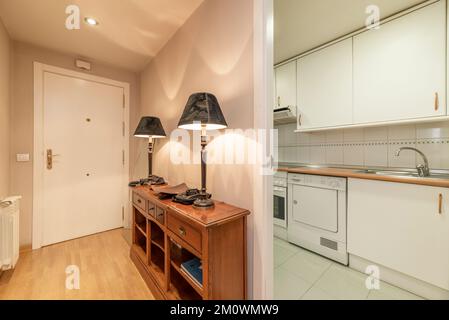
(9, 233)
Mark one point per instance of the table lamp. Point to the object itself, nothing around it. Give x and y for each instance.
(150, 128)
(203, 112)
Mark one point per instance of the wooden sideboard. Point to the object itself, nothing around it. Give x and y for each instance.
(166, 234)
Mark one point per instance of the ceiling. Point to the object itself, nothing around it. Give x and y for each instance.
(130, 32)
(301, 25)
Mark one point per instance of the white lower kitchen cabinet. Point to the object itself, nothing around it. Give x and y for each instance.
(400, 69)
(404, 227)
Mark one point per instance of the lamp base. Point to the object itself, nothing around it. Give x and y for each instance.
(203, 203)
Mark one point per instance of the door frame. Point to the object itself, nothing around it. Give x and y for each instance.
(261, 265)
(38, 151)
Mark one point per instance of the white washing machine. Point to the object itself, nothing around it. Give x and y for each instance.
(317, 211)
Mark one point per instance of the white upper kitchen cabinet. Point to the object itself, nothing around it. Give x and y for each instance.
(400, 69)
(403, 227)
(325, 87)
(285, 85)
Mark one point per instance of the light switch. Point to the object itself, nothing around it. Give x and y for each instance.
(23, 157)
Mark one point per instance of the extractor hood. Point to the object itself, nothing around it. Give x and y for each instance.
(284, 115)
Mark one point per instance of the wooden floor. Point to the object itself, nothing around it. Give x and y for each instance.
(106, 271)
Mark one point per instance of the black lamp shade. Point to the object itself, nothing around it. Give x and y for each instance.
(202, 110)
(150, 127)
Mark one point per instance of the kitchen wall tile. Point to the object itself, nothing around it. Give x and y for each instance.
(376, 155)
(290, 135)
(432, 130)
(281, 154)
(352, 146)
(353, 135)
(303, 138)
(303, 155)
(335, 136)
(404, 132)
(407, 159)
(317, 138)
(353, 155)
(317, 155)
(290, 154)
(334, 155)
(281, 135)
(437, 151)
(376, 134)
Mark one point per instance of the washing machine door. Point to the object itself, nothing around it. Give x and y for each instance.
(316, 207)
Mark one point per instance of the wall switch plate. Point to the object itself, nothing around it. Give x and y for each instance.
(23, 157)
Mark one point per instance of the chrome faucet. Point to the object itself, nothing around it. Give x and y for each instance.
(423, 169)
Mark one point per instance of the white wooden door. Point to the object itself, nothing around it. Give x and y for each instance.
(325, 87)
(400, 226)
(286, 85)
(83, 191)
(400, 69)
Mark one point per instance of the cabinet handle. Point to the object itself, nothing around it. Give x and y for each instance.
(437, 101)
(139, 201)
(300, 120)
(440, 204)
(182, 231)
(279, 101)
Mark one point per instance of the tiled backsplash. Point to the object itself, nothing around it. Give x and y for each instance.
(370, 147)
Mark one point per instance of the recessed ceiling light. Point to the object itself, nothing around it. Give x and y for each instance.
(91, 21)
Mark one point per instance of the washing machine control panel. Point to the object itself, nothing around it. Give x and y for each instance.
(335, 183)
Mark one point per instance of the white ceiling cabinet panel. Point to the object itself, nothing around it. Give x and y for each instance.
(286, 85)
(325, 87)
(400, 69)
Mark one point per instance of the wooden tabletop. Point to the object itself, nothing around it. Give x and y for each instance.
(220, 213)
(350, 173)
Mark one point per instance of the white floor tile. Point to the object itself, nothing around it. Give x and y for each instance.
(287, 245)
(389, 292)
(281, 255)
(315, 293)
(307, 266)
(288, 286)
(343, 283)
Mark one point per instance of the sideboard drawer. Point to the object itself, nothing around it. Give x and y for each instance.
(139, 202)
(185, 231)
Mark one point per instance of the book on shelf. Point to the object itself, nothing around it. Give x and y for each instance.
(194, 270)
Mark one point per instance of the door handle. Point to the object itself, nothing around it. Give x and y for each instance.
(437, 101)
(440, 203)
(50, 157)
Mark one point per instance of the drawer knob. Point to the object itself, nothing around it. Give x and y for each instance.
(139, 201)
(182, 231)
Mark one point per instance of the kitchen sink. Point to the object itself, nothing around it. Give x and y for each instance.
(402, 174)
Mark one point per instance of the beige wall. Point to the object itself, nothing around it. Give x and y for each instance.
(212, 52)
(5, 62)
(22, 118)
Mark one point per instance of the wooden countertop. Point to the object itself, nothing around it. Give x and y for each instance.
(350, 173)
(220, 213)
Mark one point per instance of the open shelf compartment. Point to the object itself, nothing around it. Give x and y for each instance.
(179, 255)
